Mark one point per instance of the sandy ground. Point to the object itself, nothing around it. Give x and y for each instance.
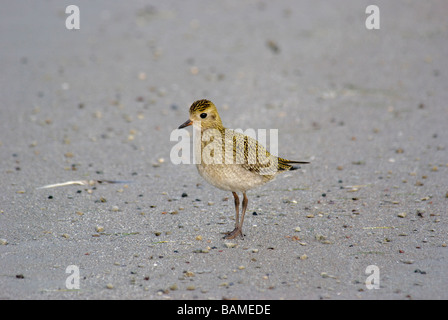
(367, 107)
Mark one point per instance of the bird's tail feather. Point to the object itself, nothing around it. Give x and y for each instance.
(299, 162)
(284, 164)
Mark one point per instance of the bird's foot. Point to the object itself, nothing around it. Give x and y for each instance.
(233, 234)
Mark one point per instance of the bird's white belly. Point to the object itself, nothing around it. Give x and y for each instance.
(231, 177)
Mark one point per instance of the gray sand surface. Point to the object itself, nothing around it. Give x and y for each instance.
(368, 108)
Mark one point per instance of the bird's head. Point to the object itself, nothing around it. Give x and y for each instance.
(203, 115)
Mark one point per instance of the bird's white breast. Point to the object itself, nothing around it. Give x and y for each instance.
(231, 177)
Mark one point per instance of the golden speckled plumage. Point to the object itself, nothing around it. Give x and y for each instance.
(246, 165)
(200, 105)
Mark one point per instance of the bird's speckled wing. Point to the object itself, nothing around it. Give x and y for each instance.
(244, 150)
(255, 156)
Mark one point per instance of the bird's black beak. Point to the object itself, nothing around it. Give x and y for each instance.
(186, 124)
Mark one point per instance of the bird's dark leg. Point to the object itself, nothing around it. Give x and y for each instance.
(237, 209)
(238, 226)
(245, 202)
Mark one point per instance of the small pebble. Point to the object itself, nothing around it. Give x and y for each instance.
(273, 46)
(174, 287)
(402, 215)
(109, 286)
(189, 273)
(419, 271)
(115, 208)
(142, 76)
(206, 250)
(319, 237)
(194, 70)
(230, 244)
(421, 212)
(3, 242)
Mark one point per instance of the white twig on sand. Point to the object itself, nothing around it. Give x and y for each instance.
(80, 183)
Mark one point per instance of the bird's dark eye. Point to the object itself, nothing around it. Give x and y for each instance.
(203, 115)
